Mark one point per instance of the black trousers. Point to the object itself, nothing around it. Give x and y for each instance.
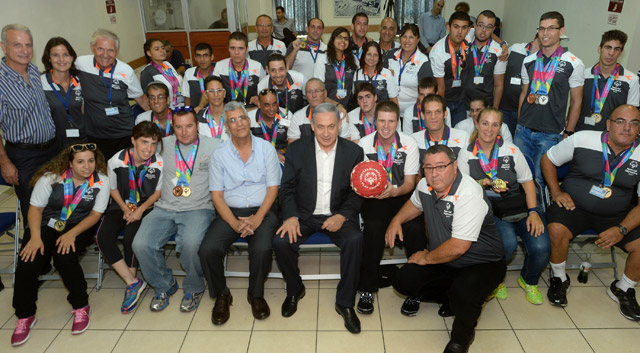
(377, 215)
(27, 162)
(107, 238)
(110, 146)
(348, 239)
(218, 239)
(464, 288)
(25, 291)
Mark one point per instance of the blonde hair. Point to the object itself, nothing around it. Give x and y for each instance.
(483, 112)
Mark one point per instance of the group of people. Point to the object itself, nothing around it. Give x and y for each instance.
(261, 146)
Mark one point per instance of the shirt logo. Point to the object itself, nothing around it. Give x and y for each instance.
(505, 159)
(633, 169)
(447, 212)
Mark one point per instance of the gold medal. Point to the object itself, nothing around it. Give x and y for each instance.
(597, 117)
(186, 191)
(303, 44)
(177, 191)
(498, 184)
(60, 225)
(531, 98)
(132, 207)
(607, 192)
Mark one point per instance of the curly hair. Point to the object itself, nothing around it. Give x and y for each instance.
(60, 163)
(349, 59)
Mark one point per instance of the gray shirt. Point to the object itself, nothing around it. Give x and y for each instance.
(279, 27)
(200, 197)
(432, 29)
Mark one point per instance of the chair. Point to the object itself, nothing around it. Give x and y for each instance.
(10, 225)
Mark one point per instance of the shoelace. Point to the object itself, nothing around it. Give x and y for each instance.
(22, 325)
(80, 315)
(367, 297)
(412, 301)
(188, 296)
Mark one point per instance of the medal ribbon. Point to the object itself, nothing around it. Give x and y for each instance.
(456, 62)
(444, 140)
(528, 48)
(490, 168)
(286, 94)
(239, 82)
(402, 65)
(386, 160)
(610, 175)
(211, 122)
(172, 79)
(421, 124)
(545, 73)
(479, 65)
(274, 134)
(167, 125)
(597, 99)
(340, 73)
(369, 128)
(201, 79)
(184, 170)
(135, 182)
(71, 201)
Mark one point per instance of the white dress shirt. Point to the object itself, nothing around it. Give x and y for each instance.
(324, 165)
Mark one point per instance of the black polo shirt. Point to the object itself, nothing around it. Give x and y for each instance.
(191, 85)
(492, 66)
(440, 58)
(327, 74)
(292, 96)
(406, 159)
(70, 123)
(513, 77)
(385, 83)
(256, 73)
(119, 177)
(283, 125)
(306, 59)
(458, 140)
(260, 54)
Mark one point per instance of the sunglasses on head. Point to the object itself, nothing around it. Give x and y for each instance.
(186, 108)
(84, 147)
(268, 90)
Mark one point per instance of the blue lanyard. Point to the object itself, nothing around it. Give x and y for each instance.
(113, 68)
(65, 102)
(402, 66)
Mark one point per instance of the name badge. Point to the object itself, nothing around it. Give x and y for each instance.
(180, 99)
(73, 133)
(457, 83)
(478, 80)
(341, 93)
(516, 81)
(111, 111)
(52, 223)
(598, 192)
(588, 120)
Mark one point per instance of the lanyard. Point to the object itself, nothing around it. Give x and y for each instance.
(167, 125)
(598, 99)
(111, 69)
(457, 60)
(286, 94)
(545, 73)
(370, 79)
(340, 72)
(444, 139)
(171, 78)
(357, 51)
(71, 201)
(386, 160)
(135, 182)
(310, 111)
(201, 79)
(211, 122)
(311, 46)
(610, 175)
(528, 48)
(239, 82)
(421, 124)
(490, 168)
(403, 65)
(67, 101)
(369, 128)
(184, 170)
(479, 64)
(274, 133)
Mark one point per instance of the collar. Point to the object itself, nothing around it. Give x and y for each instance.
(320, 150)
(10, 71)
(235, 150)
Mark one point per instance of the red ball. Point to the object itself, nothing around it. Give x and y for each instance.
(369, 179)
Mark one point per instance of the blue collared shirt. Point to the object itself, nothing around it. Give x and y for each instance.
(244, 184)
(25, 116)
(432, 29)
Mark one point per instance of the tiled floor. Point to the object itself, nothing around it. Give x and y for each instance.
(591, 322)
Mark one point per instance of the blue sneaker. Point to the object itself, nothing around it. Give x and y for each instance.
(161, 301)
(131, 295)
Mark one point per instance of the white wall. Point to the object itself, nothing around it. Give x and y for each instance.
(76, 20)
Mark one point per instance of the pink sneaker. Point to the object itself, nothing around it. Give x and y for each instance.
(80, 320)
(22, 332)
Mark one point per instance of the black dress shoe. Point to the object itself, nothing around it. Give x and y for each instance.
(220, 313)
(445, 310)
(259, 307)
(290, 304)
(351, 321)
(453, 347)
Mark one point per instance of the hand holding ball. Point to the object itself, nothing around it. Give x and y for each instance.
(368, 179)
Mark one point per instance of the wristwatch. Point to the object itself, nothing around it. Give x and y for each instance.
(623, 229)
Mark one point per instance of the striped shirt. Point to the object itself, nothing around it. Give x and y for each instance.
(25, 116)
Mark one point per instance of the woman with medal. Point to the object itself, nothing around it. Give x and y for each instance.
(371, 71)
(409, 64)
(158, 69)
(134, 176)
(210, 119)
(337, 69)
(503, 171)
(70, 193)
(63, 91)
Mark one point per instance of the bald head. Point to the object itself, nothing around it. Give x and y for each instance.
(626, 110)
(623, 126)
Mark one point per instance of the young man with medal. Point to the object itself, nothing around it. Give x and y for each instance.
(302, 54)
(134, 176)
(607, 84)
(599, 194)
(398, 154)
(193, 87)
(244, 177)
(412, 119)
(211, 122)
(270, 122)
(549, 77)
(260, 48)
(288, 84)
(70, 194)
(160, 114)
(184, 210)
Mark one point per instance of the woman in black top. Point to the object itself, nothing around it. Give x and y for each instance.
(337, 68)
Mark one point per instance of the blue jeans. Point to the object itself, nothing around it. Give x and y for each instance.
(154, 233)
(538, 249)
(511, 119)
(458, 111)
(534, 144)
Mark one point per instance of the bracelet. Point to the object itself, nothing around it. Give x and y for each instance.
(533, 209)
(569, 133)
(504, 42)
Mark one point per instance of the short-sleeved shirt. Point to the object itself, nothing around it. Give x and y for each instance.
(300, 125)
(256, 73)
(492, 66)
(206, 123)
(244, 184)
(624, 90)
(441, 65)
(513, 77)
(411, 120)
(414, 70)
(463, 213)
(356, 119)
(73, 119)
(95, 90)
(388, 54)
(457, 140)
(119, 177)
(200, 197)
(551, 117)
(406, 158)
(327, 74)
(512, 165)
(148, 116)
(192, 86)
(385, 83)
(584, 150)
(281, 135)
(151, 74)
(260, 54)
(292, 98)
(468, 126)
(306, 59)
(48, 193)
(24, 113)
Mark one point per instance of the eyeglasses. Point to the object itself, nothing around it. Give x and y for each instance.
(215, 91)
(84, 147)
(314, 92)
(267, 90)
(547, 29)
(621, 123)
(483, 26)
(158, 98)
(438, 168)
(238, 119)
(186, 108)
(346, 39)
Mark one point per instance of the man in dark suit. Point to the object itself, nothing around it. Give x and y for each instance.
(315, 196)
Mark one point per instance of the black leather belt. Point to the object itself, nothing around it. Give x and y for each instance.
(34, 146)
